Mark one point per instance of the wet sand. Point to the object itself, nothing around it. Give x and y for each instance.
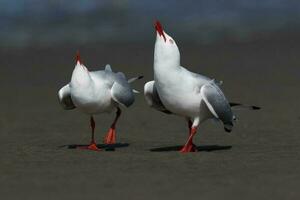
(260, 159)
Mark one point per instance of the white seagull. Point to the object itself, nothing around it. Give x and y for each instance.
(175, 90)
(97, 92)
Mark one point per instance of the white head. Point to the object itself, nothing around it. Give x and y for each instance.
(80, 75)
(166, 50)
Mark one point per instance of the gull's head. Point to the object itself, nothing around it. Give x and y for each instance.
(79, 66)
(165, 45)
(80, 75)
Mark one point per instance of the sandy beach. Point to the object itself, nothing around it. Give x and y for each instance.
(259, 159)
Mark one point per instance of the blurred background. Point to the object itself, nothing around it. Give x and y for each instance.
(54, 22)
(251, 45)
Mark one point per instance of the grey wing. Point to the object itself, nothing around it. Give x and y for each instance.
(217, 103)
(108, 68)
(121, 91)
(152, 97)
(64, 97)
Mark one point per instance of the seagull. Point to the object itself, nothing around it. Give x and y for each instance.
(94, 92)
(176, 90)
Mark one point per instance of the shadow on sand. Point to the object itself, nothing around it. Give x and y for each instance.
(199, 148)
(106, 147)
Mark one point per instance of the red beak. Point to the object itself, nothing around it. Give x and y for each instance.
(159, 29)
(78, 57)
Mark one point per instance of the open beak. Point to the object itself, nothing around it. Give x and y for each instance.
(159, 29)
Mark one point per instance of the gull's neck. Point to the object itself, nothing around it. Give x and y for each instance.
(165, 61)
(168, 64)
(166, 68)
(166, 53)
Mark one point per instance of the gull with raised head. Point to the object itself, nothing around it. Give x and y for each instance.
(175, 90)
(94, 92)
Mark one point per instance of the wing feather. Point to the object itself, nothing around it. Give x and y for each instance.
(153, 99)
(64, 97)
(108, 67)
(122, 93)
(217, 102)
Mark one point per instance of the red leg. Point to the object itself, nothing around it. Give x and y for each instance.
(110, 137)
(92, 145)
(190, 123)
(189, 146)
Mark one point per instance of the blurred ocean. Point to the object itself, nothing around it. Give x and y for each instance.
(54, 22)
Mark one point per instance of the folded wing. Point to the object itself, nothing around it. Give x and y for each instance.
(217, 103)
(64, 97)
(121, 91)
(152, 97)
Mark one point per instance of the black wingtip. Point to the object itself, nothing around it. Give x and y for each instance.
(256, 108)
(140, 77)
(228, 127)
(232, 104)
(227, 130)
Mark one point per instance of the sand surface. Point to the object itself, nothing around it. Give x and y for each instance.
(260, 159)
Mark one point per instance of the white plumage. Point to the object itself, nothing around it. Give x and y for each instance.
(175, 90)
(97, 92)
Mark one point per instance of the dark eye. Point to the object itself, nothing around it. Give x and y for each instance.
(171, 41)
